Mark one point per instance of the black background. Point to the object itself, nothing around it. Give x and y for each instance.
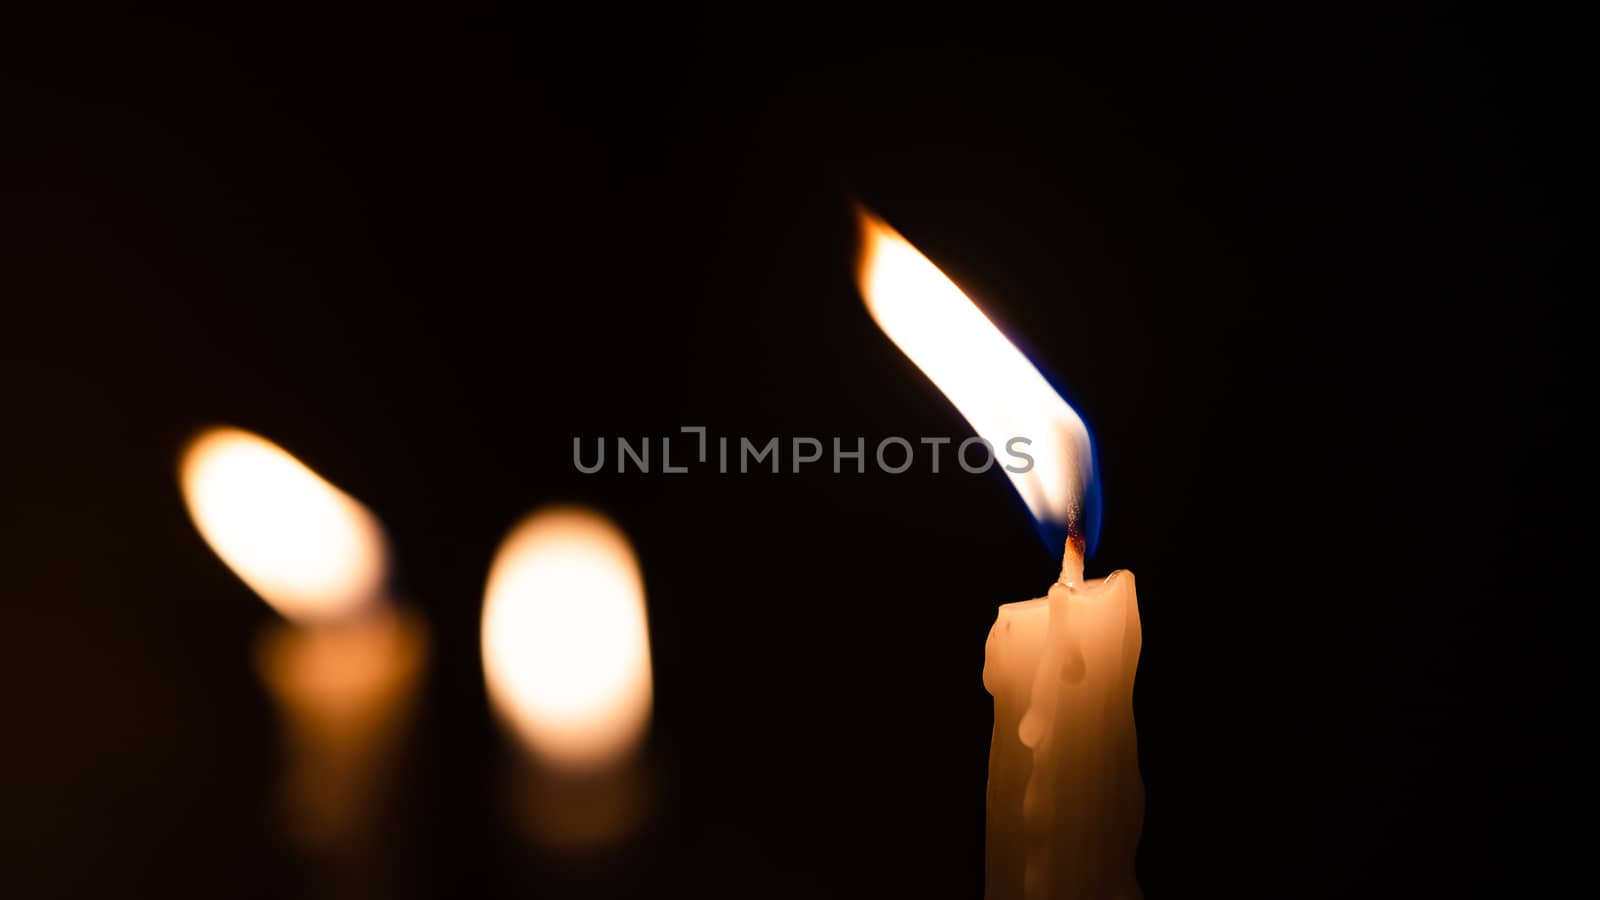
(1298, 274)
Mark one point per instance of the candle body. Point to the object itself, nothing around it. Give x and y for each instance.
(579, 812)
(1065, 800)
(344, 693)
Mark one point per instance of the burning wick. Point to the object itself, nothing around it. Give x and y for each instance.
(566, 658)
(1065, 799)
(344, 669)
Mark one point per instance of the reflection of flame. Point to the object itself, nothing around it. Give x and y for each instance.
(305, 546)
(566, 651)
(989, 381)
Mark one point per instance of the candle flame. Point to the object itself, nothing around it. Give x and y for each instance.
(566, 651)
(988, 380)
(309, 549)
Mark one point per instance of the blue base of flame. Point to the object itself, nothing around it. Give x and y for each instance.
(1089, 512)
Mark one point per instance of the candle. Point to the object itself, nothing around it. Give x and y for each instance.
(566, 660)
(343, 670)
(1065, 799)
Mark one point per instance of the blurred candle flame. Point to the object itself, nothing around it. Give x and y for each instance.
(566, 650)
(988, 380)
(309, 549)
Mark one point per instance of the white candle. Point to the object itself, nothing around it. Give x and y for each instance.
(344, 669)
(566, 660)
(1065, 800)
